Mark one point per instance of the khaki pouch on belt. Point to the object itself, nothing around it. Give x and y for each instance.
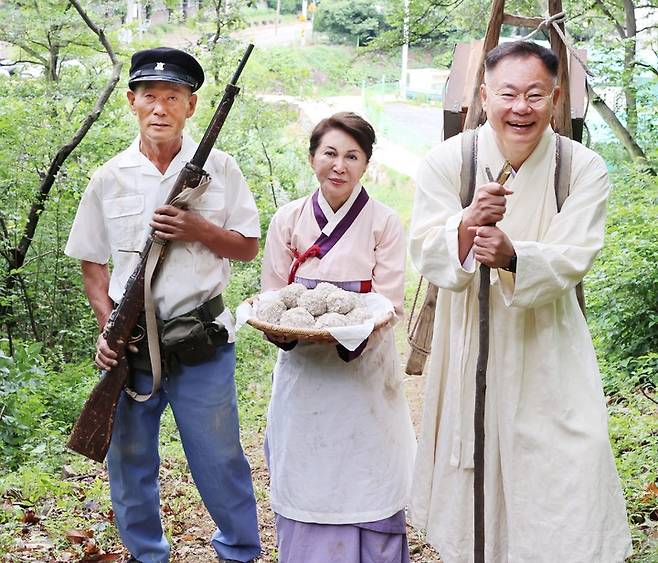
(190, 339)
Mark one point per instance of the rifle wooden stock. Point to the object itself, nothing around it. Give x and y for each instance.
(92, 431)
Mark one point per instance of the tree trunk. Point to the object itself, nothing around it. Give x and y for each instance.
(622, 134)
(15, 257)
(628, 76)
(218, 25)
(53, 61)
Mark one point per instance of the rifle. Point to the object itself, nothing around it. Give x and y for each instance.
(92, 431)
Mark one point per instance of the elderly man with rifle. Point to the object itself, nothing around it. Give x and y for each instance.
(122, 212)
(551, 491)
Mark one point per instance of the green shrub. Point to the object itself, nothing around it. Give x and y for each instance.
(286, 6)
(357, 21)
(39, 399)
(622, 290)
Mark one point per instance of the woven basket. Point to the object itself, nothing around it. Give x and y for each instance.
(307, 334)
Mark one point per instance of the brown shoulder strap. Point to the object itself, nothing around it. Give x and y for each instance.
(563, 159)
(469, 160)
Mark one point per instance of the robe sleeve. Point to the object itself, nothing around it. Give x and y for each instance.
(437, 213)
(548, 268)
(277, 257)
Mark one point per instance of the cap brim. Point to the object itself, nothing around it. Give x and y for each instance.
(160, 78)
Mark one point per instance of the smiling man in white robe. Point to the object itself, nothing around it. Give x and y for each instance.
(552, 493)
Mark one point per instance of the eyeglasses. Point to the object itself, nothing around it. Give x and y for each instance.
(534, 100)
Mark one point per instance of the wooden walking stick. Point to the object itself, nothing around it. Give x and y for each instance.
(480, 395)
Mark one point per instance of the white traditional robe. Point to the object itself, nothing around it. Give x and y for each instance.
(341, 443)
(552, 494)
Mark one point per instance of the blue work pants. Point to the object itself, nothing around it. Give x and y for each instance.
(203, 400)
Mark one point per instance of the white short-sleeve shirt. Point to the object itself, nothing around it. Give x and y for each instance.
(113, 218)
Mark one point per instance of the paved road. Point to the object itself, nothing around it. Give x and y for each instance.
(285, 34)
(422, 121)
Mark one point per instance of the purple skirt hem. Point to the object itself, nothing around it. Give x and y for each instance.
(382, 541)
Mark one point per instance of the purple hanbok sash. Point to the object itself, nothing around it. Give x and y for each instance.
(325, 243)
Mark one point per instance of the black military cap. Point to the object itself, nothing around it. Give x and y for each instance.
(165, 64)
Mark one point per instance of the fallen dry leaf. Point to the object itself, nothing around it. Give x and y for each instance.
(651, 493)
(90, 547)
(29, 517)
(79, 536)
(101, 557)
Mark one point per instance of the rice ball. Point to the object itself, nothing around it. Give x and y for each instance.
(297, 317)
(326, 287)
(358, 316)
(315, 302)
(271, 311)
(290, 293)
(330, 320)
(341, 301)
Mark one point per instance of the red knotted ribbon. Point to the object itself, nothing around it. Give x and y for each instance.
(300, 259)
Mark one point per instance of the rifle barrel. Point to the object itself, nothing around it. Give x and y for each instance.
(243, 62)
(217, 121)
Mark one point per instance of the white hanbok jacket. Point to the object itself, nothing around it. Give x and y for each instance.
(341, 443)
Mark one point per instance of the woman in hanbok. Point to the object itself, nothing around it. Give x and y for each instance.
(339, 442)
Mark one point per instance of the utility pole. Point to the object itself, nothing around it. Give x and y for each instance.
(278, 15)
(130, 10)
(405, 51)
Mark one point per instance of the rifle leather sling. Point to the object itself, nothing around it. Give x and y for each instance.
(182, 200)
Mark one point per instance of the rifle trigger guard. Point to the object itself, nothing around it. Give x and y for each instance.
(139, 332)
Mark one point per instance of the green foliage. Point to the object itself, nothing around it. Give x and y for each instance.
(351, 21)
(39, 398)
(286, 6)
(256, 358)
(623, 286)
(317, 71)
(442, 23)
(634, 439)
(35, 121)
(49, 32)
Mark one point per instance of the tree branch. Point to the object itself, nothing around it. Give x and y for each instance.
(647, 66)
(64, 151)
(27, 49)
(21, 61)
(620, 28)
(647, 28)
(617, 127)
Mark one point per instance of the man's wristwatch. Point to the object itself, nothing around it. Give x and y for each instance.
(511, 267)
